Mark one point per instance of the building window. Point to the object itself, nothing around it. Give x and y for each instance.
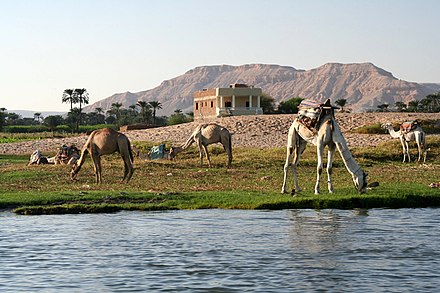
(212, 104)
(247, 104)
(228, 104)
(197, 106)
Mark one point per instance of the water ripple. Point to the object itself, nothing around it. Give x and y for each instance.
(377, 250)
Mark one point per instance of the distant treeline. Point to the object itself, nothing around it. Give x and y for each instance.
(59, 128)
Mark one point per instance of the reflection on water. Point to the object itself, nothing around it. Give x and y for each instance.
(222, 251)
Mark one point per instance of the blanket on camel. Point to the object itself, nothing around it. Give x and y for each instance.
(408, 126)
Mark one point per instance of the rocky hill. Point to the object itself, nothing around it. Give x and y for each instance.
(364, 85)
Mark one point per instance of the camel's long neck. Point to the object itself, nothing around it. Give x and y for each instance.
(341, 144)
(393, 133)
(82, 158)
(188, 143)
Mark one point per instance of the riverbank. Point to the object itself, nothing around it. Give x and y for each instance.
(254, 182)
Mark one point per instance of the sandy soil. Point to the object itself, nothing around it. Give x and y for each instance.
(264, 131)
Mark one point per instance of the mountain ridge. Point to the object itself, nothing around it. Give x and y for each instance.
(363, 85)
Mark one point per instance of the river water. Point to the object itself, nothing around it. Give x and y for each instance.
(379, 250)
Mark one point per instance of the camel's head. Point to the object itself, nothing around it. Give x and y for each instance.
(386, 126)
(173, 153)
(360, 182)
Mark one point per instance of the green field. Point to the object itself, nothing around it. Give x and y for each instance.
(254, 182)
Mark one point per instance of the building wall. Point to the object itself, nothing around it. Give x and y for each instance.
(205, 102)
(205, 107)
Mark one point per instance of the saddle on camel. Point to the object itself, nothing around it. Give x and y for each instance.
(408, 126)
(310, 112)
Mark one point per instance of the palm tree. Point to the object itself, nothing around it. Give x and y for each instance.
(144, 110)
(82, 98)
(116, 109)
(400, 106)
(73, 117)
(99, 110)
(2, 117)
(69, 97)
(133, 108)
(37, 117)
(383, 107)
(341, 103)
(156, 105)
(434, 101)
(413, 106)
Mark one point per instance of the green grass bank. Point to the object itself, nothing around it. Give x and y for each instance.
(254, 182)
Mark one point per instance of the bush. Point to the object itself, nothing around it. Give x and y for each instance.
(25, 128)
(59, 128)
(430, 126)
(370, 129)
(89, 128)
(63, 128)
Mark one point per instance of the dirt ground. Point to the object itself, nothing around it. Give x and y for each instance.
(265, 131)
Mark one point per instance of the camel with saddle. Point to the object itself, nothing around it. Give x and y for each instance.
(66, 155)
(409, 131)
(101, 142)
(316, 124)
(204, 135)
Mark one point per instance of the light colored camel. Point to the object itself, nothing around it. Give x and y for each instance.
(415, 134)
(104, 142)
(326, 133)
(204, 135)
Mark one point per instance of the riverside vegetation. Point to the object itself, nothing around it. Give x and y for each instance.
(254, 182)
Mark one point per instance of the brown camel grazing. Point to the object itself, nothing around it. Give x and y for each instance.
(204, 135)
(105, 141)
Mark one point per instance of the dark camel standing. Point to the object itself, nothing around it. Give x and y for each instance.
(105, 141)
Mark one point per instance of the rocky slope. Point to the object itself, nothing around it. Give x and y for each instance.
(364, 85)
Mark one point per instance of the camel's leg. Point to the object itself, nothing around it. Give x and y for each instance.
(421, 147)
(407, 151)
(402, 141)
(296, 156)
(228, 148)
(295, 147)
(286, 168)
(124, 158)
(319, 153)
(291, 147)
(128, 168)
(331, 152)
(229, 152)
(97, 166)
(205, 148)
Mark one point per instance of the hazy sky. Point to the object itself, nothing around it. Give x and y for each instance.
(111, 46)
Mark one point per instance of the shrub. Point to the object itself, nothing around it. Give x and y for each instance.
(370, 129)
(89, 128)
(25, 128)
